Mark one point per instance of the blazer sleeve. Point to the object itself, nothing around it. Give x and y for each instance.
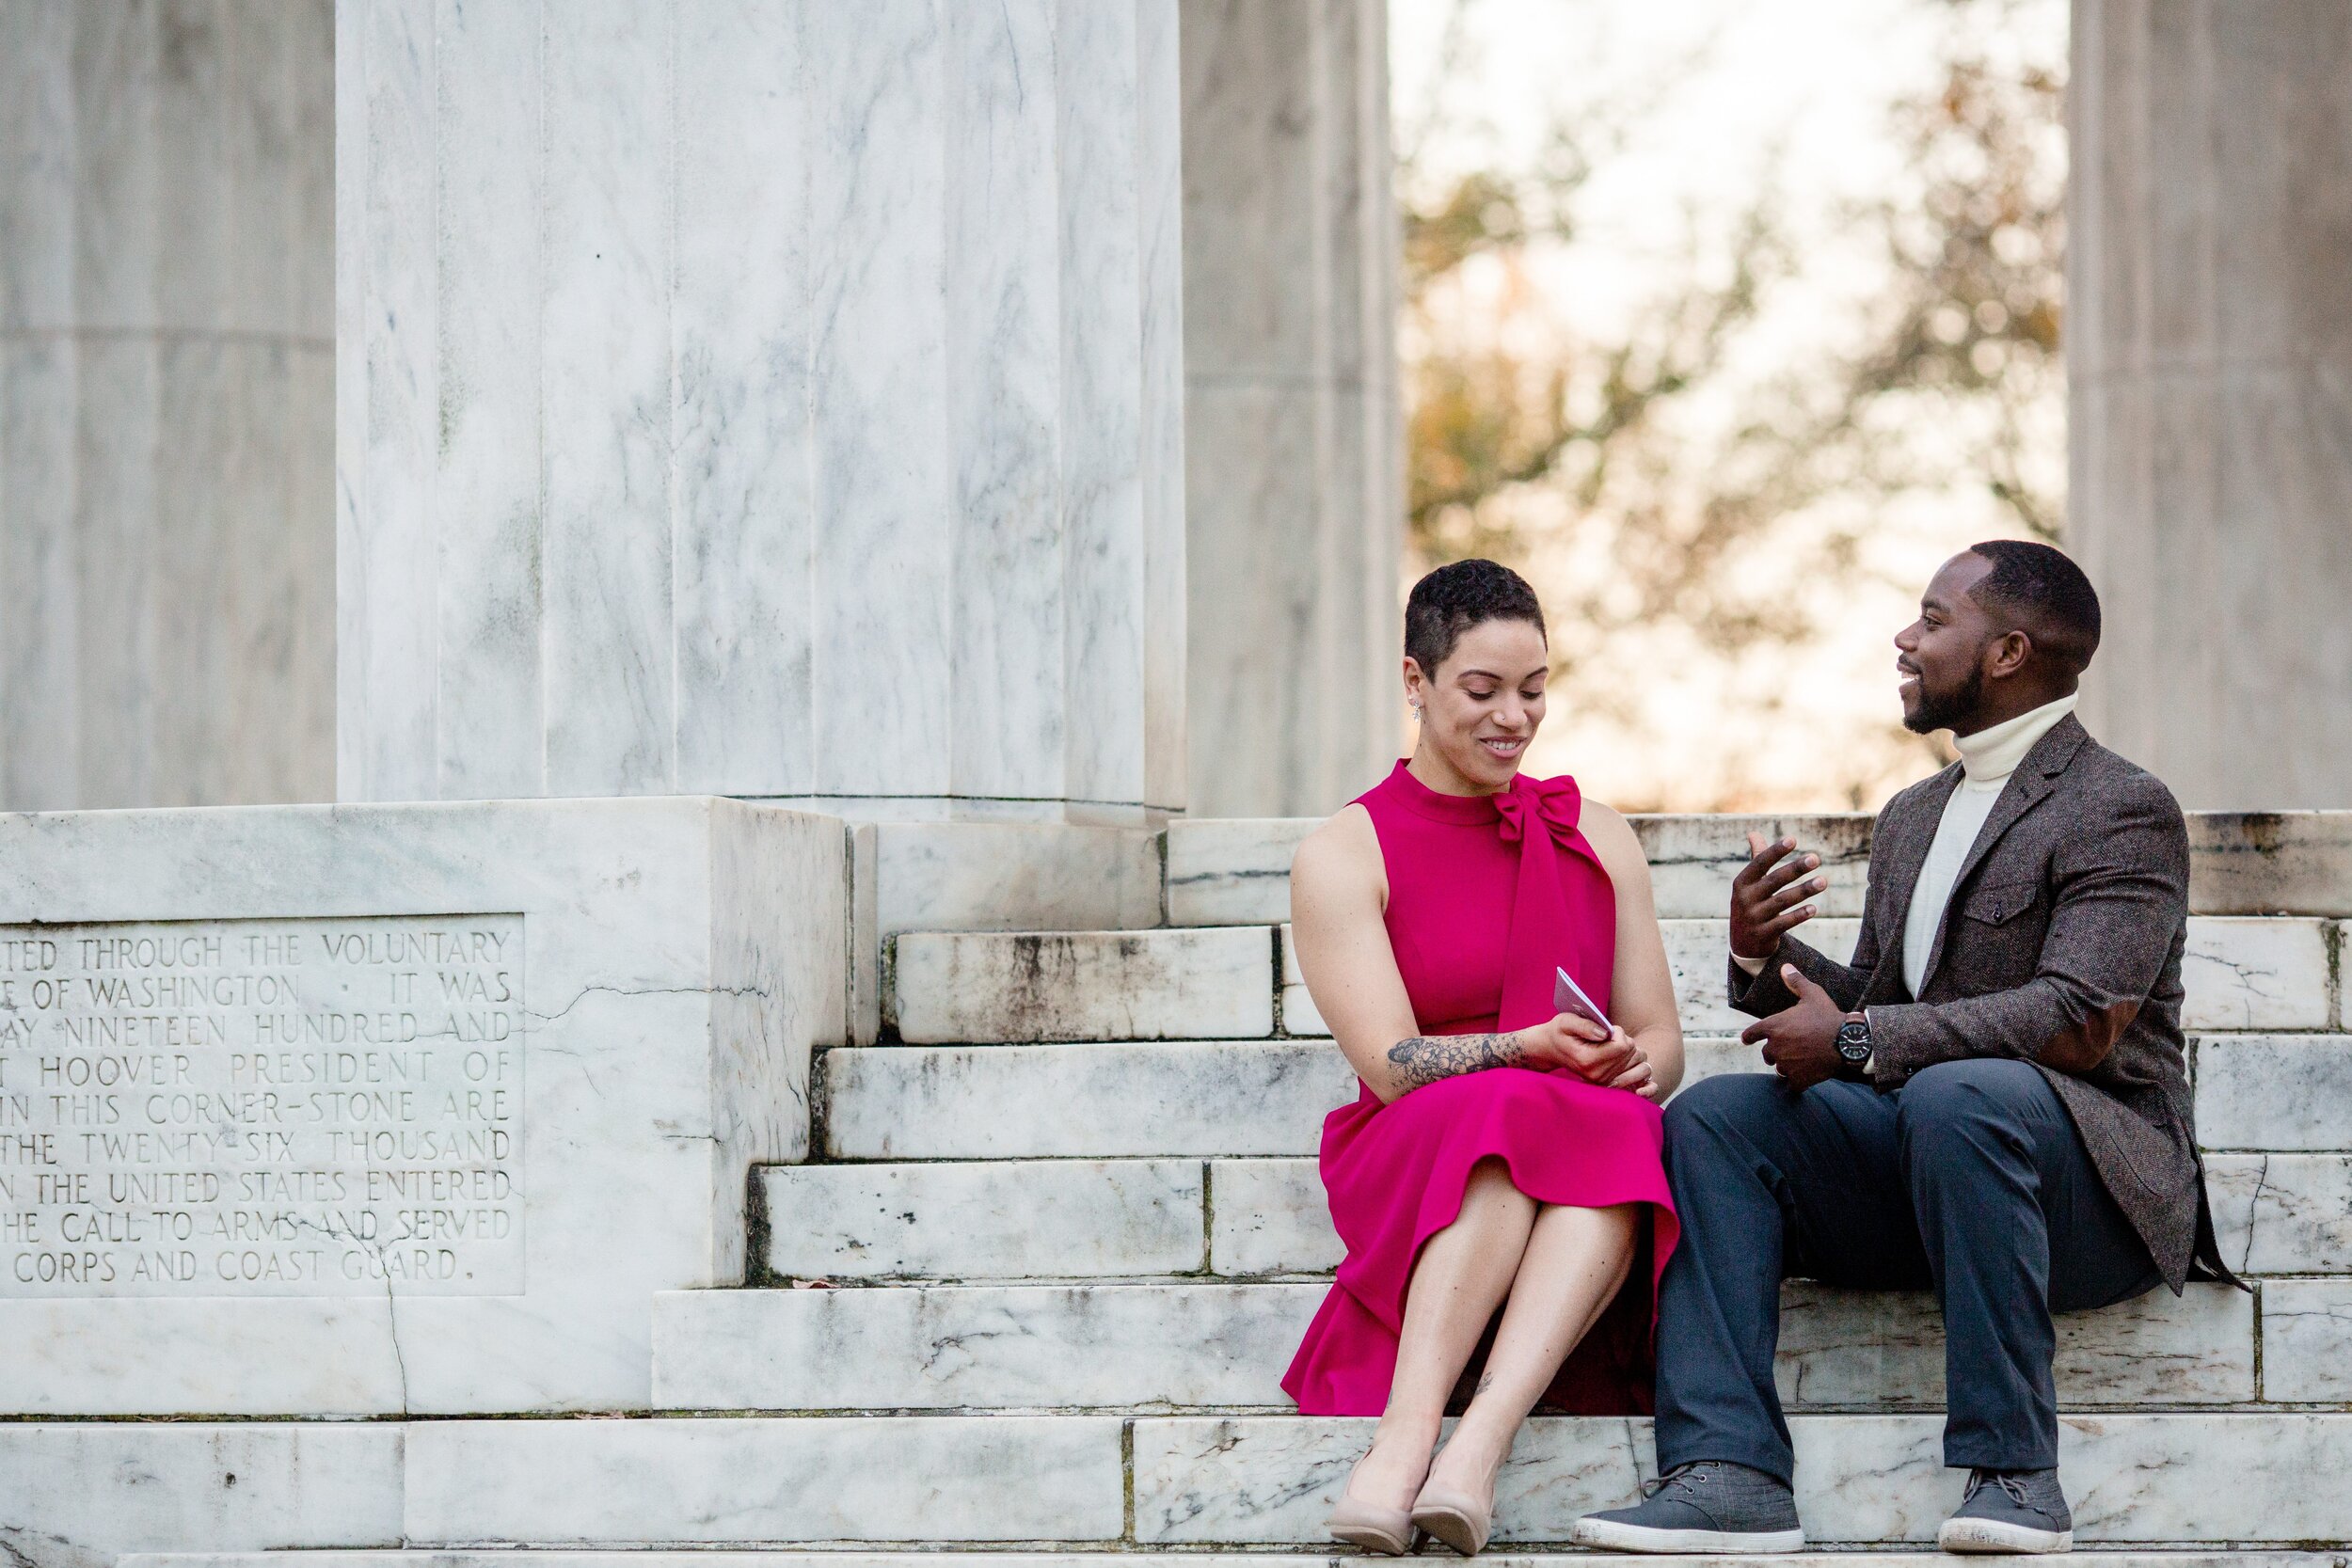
(2119, 901)
(1764, 994)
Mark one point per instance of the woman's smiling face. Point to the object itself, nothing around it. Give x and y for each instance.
(1486, 701)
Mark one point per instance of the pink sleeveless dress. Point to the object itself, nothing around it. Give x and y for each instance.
(1486, 894)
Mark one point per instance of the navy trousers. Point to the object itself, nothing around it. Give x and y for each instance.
(1969, 1180)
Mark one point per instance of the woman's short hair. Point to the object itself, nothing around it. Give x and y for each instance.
(1457, 596)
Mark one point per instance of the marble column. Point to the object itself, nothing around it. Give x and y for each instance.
(774, 398)
(167, 535)
(1294, 456)
(2209, 349)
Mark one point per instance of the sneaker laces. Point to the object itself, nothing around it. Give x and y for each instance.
(1680, 1476)
(2011, 1487)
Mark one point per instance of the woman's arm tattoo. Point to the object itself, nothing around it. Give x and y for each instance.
(1425, 1059)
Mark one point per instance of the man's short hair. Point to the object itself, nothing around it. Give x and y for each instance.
(2040, 591)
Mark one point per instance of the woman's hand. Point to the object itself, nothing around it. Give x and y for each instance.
(1641, 1078)
(1580, 1045)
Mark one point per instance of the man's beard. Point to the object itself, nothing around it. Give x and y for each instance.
(1946, 710)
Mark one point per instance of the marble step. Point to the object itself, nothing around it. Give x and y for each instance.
(1113, 1099)
(657, 1558)
(2253, 974)
(2278, 1214)
(969, 986)
(1184, 1345)
(2238, 973)
(1152, 1483)
(1045, 1219)
(100, 1488)
(2256, 974)
(1088, 1101)
(1694, 957)
(1236, 871)
(1011, 1219)
(2243, 1479)
(2282, 1213)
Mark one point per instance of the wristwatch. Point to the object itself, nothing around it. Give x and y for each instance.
(1853, 1041)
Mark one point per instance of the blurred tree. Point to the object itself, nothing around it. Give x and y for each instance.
(1644, 468)
(1971, 318)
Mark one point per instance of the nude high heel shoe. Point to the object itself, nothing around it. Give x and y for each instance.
(1462, 1522)
(1386, 1530)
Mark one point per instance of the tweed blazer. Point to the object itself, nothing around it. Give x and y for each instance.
(2061, 946)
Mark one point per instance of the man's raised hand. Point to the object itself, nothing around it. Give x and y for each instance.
(1768, 896)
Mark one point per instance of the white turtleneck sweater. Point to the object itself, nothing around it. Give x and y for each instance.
(1987, 758)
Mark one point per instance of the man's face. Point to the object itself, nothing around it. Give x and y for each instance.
(1940, 657)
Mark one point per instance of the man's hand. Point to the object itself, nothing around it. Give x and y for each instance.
(1800, 1042)
(1768, 898)
(1582, 1047)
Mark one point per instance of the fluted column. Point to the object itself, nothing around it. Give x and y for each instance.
(2209, 349)
(772, 398)
(1295, 468)
(167, 501)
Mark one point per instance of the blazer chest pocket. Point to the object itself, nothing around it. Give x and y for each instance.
(1999, 903)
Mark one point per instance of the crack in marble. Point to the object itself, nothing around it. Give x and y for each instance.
(392, 1299)
(586, 992)
(2254, 1212)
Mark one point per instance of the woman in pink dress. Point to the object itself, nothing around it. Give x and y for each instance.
(1499, 1175)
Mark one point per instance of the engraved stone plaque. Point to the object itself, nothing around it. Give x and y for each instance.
(263, 1107)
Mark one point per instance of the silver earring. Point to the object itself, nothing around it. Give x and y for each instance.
(1415, 707)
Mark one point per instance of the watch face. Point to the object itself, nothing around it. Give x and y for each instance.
(1853, 1041)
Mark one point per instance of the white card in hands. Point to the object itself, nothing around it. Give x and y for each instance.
(1569, 997)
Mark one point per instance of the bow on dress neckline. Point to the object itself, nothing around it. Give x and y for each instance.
(1539, 908)
(1555, 802)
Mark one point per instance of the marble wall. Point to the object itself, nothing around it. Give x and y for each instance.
(774, 400)
(167, 631)
(1293, 454)
(2209, 351)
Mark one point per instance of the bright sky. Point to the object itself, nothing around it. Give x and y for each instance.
(1803, 87)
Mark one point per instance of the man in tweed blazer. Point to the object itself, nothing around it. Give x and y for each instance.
(1990, 1100)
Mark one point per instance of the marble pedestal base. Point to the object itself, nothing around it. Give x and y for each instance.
(313, 1111)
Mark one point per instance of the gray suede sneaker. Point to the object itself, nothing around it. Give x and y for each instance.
(1709, 1506)
(2009, 1510)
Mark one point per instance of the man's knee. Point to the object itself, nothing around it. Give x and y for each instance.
(1953, 1098)
(1725, 1102)
(1716, 1125)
